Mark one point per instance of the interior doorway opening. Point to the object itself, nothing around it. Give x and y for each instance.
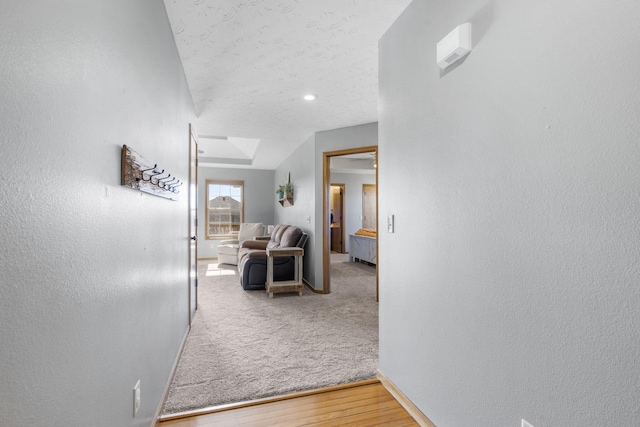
(368, 155)
(336, 218)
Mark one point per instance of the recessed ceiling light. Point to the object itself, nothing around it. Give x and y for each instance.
(309, 97)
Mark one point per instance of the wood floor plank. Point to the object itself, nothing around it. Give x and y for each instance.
(306, 407)
(293, 406)
(392, 416)
(366, 405)
(336, 414)
(302, 407)
(315, 413)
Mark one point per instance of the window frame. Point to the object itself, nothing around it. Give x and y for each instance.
(229, 182)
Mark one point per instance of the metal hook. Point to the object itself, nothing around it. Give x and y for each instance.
(168, 184)
(156, 174)
(176, 188)
(147, 170)
(160, 182)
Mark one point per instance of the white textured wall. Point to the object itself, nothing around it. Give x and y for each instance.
(352, 199)
(258, 201)
(510, 288)
(94, 275)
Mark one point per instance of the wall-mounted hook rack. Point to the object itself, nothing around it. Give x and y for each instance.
(137, 174)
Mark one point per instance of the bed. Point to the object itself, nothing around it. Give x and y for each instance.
(362, 246)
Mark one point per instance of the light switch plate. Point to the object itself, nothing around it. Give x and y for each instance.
(525, 424)
(390, 225)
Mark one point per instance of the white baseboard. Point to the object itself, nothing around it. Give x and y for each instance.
(156, 418)
(404, 401)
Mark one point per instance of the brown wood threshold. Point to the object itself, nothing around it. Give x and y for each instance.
(230, 406)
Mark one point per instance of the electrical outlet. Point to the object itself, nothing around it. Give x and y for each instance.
(308, 220)
(136, 398)
(525, 424)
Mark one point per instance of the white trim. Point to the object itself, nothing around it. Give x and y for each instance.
(405, 401)
(156, 418)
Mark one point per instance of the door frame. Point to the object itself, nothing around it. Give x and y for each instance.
(193, 224)
(326, 193)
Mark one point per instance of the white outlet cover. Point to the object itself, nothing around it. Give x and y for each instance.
(525, 423)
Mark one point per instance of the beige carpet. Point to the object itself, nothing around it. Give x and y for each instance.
(244, 345)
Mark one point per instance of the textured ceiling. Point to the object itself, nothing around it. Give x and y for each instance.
(249, 62)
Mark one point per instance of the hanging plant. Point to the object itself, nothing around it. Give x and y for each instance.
(284, 189)
(288, 188)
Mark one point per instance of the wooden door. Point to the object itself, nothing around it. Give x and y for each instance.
(193, 224)
(369, 219)
(337, 218)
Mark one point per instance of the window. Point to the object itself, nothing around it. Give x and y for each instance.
(225, 208)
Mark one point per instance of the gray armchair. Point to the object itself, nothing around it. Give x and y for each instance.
(284, 250)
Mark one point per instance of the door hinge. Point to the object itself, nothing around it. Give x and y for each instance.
(196, 162)
(196, 283)
(196, 221)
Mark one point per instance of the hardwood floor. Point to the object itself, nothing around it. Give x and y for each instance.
(364, 405)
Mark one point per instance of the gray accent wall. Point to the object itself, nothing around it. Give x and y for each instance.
(305, 166)
(301, 166)
(259, 194)
(510, 288)
(94, 283)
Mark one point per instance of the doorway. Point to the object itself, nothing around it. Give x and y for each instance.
(336, 218)
(368, 154)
